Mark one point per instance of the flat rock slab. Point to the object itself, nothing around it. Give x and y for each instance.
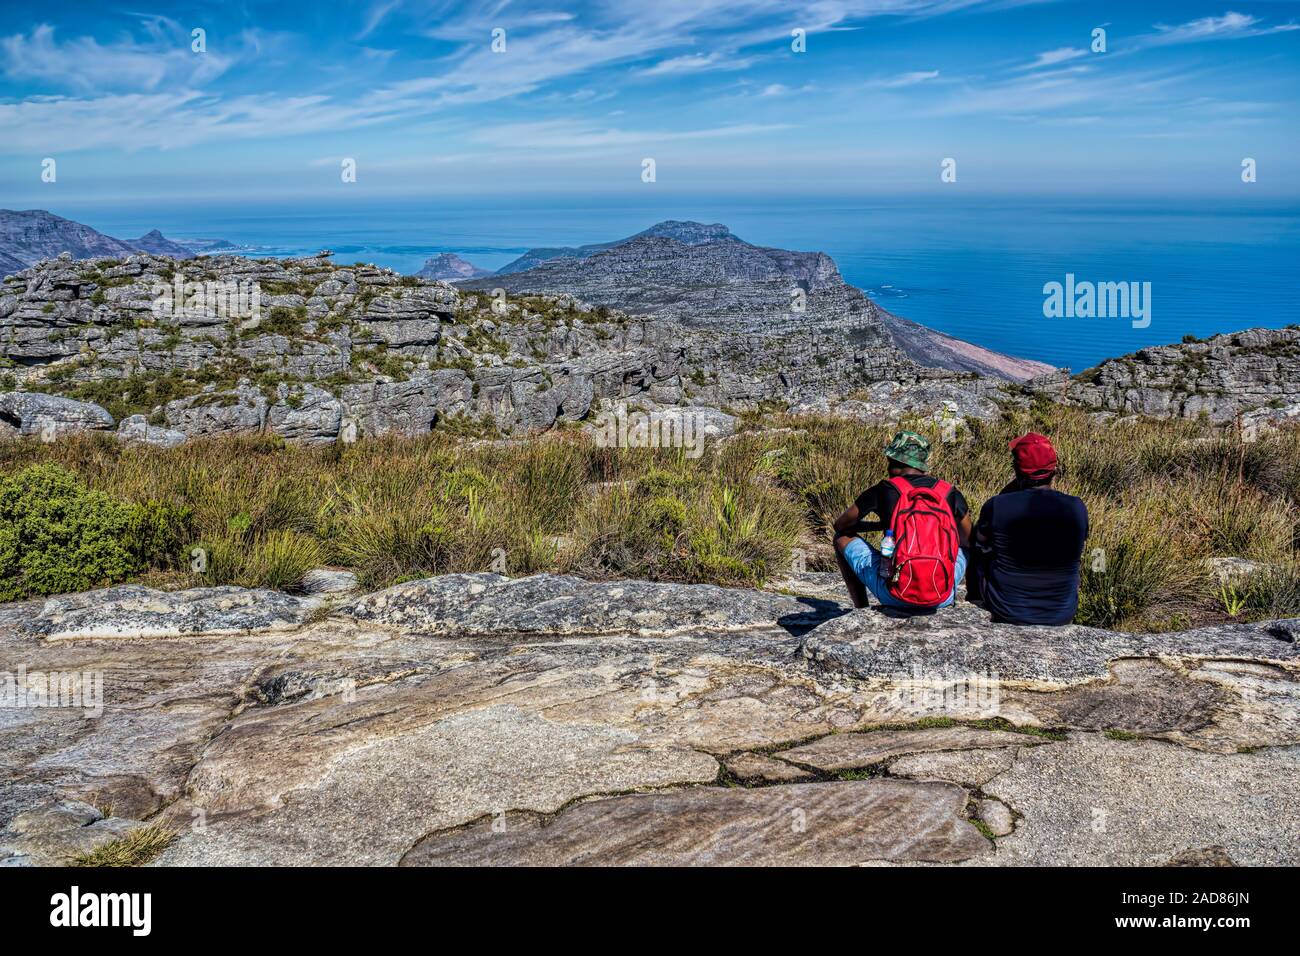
(1100, 802)
(961, 641)
(824, 824)
(368, 798)
(757, 767)
(847, 751)
(970, 768)
(56, 833)
(464, 604)
(130, 611)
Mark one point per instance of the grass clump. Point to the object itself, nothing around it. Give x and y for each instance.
(137, 848)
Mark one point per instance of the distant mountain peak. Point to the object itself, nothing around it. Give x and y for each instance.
(448, 266)
(688, 231)
(30, 235)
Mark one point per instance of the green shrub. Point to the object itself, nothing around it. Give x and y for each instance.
(160, 534)
(57, 536)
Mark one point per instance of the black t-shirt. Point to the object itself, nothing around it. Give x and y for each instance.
(882, 498)
(1035, 537)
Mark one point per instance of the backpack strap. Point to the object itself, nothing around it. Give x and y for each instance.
(901, 484)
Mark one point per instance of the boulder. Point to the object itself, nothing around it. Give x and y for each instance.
(136, 428)
(49, 416)
(129, 610)
(305, 413)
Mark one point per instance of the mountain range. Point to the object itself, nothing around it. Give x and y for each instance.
(30, 235)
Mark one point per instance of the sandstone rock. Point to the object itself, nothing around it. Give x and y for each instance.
(215, 413)
(136, 428)
(960, 641)
(411, 728)
(328, 581)
(1125, 803)
(552, 604)
(132, 611)
(33, 413)
(997, 817)
(307, 414)
(1251, 376)
(1203, 856)
(56, 833)
(757, 767)
(970, 768)
(1232, 570)
(825, 824)
(848, 751)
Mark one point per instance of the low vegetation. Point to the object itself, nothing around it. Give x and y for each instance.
(1164, 499)
(137, 848)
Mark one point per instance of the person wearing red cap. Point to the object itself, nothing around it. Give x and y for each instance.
(1029, 542)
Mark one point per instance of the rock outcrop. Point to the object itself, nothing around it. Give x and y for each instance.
(473, 719)
(316, 352)
(703, 276)
(1251, 376)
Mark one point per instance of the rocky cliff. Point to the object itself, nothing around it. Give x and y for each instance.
(1251, 376)
(704, 277)
(338, 351)
(475, 719)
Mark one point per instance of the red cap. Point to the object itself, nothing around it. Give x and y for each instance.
(1033, 455)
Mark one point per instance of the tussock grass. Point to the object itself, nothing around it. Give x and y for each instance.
(137, 848)
(1163, 496)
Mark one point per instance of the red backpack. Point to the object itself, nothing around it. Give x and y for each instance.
(925, 551)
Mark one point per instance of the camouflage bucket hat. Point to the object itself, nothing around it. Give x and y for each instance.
(910, 449)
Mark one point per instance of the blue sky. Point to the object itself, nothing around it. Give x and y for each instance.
(710, 89)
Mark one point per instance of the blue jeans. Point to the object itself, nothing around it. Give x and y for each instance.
(864, 559)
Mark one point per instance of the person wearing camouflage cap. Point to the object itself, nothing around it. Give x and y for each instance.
(909, 448)
(907, 462)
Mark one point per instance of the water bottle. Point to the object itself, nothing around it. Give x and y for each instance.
(887, 544)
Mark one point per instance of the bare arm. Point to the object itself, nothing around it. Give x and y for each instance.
(848, 521)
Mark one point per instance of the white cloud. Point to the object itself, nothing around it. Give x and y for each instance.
(908, 79)
(698, 62)
(1230, 26)
(1054, 57)
(83, 63)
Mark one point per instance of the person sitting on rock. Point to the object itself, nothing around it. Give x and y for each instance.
(1029, 542)
(927, 531)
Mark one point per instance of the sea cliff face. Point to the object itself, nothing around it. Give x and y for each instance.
(703, 276)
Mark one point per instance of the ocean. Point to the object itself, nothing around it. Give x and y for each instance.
(974, 268)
